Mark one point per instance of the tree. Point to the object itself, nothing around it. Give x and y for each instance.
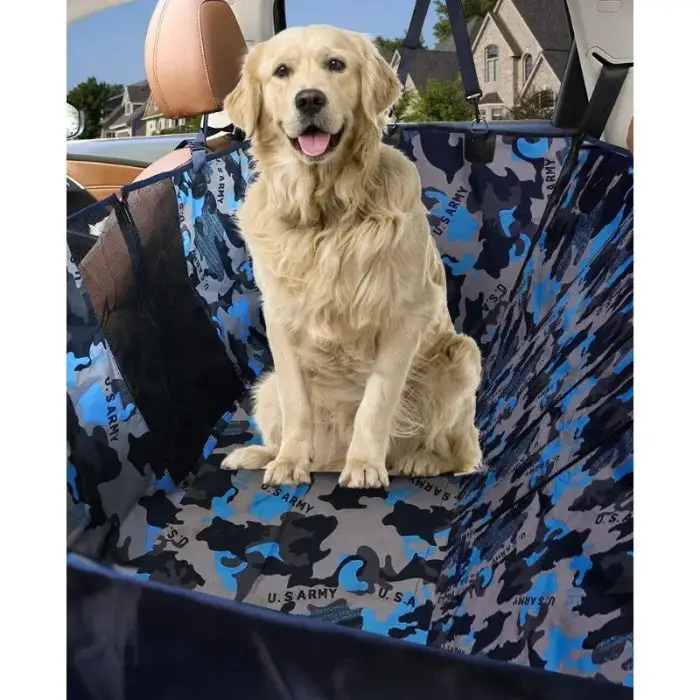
(470, 8)
(395, 44)
(191, 126)
(91, 98)
(403, 109)
(441, 101)
(535, 105)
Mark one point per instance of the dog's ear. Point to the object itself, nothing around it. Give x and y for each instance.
(244, 104)
(381, 88)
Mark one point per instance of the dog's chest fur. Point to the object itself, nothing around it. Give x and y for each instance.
(334, 291)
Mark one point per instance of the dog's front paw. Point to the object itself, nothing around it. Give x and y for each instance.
(251, 457)
(358, 474)
(287, 471)
(421, 463)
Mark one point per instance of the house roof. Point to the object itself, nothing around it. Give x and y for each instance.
(491, 98)
(136, 116)
(151, 109)
(433, 64)
(114, 102)
(557, 59)
(547, 20)
(138, 92)
(510, 39)
(473, 26)
(113, 116)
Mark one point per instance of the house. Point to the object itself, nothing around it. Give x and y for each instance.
(473, 26)
(520, 47)
(125, 113)
(439, 63)
(155, 121)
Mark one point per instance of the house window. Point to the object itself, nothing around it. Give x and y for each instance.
(497, 113)
(491, 63)
(129, 108)
(161, 123)
(527, 67)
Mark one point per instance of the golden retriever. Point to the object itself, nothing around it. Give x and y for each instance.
(369, 371)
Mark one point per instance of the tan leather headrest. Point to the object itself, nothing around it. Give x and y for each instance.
(194, 53)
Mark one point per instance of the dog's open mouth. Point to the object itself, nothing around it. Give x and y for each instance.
(314, 143)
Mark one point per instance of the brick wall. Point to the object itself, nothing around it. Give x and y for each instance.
(511, 68)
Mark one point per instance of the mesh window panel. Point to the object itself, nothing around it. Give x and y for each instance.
(197, 382)
(167, 349)
(85, 228)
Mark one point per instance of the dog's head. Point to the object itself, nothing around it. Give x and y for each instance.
(312, 91)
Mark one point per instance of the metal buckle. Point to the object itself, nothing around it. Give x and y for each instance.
(478, 124)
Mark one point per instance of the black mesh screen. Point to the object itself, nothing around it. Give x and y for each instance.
(84, 228)
(165, 345)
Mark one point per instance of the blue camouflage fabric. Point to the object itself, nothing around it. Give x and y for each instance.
(358, 558)
(528, 562)
(483, 216)
(110, 448)
(218, 263)
(539, 568)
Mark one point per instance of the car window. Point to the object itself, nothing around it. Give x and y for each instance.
(106, 74)
(520, 52)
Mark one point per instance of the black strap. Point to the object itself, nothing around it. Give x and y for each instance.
(197, 146)
(198, 149)
(605, 94)
(465, 57)
(412, 41)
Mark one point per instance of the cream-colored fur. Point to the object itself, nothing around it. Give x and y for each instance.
(369, 371)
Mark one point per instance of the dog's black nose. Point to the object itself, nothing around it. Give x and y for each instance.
(310, 101)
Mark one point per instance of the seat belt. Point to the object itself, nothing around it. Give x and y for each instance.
(600, 106)
(605, 93)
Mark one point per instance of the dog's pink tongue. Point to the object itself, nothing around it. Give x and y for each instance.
(314, 144)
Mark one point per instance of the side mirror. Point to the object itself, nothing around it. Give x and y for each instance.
(75, 122)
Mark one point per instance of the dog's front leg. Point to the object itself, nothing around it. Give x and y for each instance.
(293, 462)
(365, 464)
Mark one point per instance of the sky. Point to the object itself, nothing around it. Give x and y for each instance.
(109, 45)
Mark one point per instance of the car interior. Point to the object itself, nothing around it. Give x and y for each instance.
(602, 33)
(513, 582)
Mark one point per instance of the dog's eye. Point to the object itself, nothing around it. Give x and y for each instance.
(282, 71)
(336, 65)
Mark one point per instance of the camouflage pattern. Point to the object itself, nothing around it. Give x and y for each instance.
(109, 445)
(529, 561)
(218, 263)
(366, 559)
(483, 216)
(539, 567)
